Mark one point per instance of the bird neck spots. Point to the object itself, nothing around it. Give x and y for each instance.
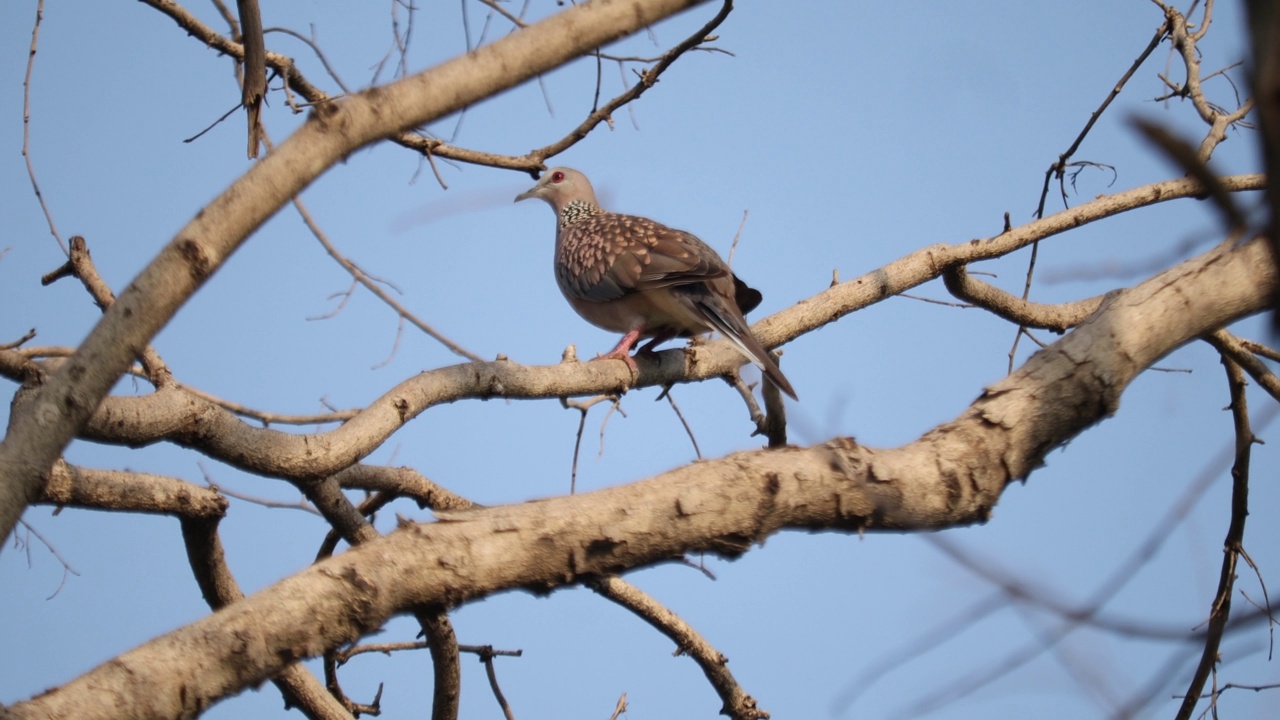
(576, 211)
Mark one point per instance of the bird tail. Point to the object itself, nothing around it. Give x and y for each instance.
(734, 327)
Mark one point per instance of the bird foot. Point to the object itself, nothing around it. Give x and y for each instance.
(622, 351)
(623, 354)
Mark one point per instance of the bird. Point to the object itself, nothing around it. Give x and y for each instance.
(636, 276)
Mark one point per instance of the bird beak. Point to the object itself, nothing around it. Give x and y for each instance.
(531, 192)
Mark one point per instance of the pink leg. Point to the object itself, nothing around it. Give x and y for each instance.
(656, 341)
(622, 351)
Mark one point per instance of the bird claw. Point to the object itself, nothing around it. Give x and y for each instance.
(623, 355)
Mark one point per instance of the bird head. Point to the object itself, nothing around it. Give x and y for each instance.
(560, 186)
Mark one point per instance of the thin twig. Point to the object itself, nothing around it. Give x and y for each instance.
(26, 127)
(1220, 611)
(1058, 168)
(582, 406)
(66, 566)
(733, 247)
(688, 430)
(487, 654)
(360, 276)
(499, 9)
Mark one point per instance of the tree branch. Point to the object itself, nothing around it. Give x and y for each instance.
(951, 476)
(737, 703)
(175, 416)
(1233, 545)
(334, 130)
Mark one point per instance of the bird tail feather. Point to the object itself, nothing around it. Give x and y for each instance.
(736, 330)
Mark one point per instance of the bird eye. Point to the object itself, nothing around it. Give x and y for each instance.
(557, 176)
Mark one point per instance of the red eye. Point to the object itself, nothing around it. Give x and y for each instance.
(557, 176)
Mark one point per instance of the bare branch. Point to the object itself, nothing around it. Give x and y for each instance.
(487, 654)
(1220, 611)
(1058, 318)
(684, 423)
(61, 406)
(360, 276)
(254, 82)
(953, 475)
(737, 703)
(208, 562)
(530, 162)
(26, 127)
(1058, 169)
(1239, 352)
(80, 266)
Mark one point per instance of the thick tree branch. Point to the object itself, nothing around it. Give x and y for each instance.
(80, 266)
(71, 486)
(953, 475)
(299, 687)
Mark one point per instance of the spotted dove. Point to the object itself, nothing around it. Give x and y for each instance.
(635, 276)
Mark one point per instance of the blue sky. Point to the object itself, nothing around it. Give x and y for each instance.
(853, 134)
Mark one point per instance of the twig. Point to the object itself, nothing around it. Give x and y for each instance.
(367, 281)
(395, 346)
(1239, 351)
(1220, 611)
(66, 566)
(26, 337)
(315, 48)
(26, 127)
(487, 653)
(1265, 607)
(733, 246)
(342, 656)
(620, 708)
(1058, 168)
(746, 392)
(582, 406)
(80, 266)
(499, 9)
(944, 303)
(737, 703)
(262, 502)
(688, 430)
(647, 79)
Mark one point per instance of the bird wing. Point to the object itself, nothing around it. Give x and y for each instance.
(608, 256)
